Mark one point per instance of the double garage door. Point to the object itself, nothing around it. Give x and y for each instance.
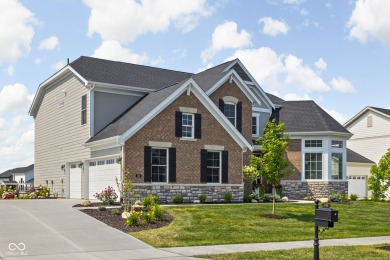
(102, 174)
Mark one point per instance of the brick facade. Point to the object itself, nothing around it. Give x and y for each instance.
(162, 129)
(294, 155)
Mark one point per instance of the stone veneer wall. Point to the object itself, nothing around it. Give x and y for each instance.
(166, 193)
(318, 189)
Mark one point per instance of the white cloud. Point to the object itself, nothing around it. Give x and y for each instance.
(14, 99)
(304, 12)
(38, 61)
(341, 118)
(113, 50)
(58, 65)
(276, 72)
(273, 27)
(340, 84)
(294, 96)
(16, 142)
(125, 20)
(303, 76)
(370, 19)
(49, 44)
(226, 36)
(293, 2)
(321, 64)
(10, 70)
(16, 30)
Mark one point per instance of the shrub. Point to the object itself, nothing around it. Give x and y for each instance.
(344, 197)
(107, 196)
(1, 192)
(85, 203)
(334, 197)
(148, 217)
(149, 201)
(8, 195)
(102, 208)
(354, 197)
(43, 191)
(285, 199)
(178, 199)
(202, 198)
(267, 198)
(133, 219)
(115, 212)
(228, 197)
(33, 195)
(157, 212)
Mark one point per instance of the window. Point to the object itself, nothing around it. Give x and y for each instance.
(213, 167)
(337, 144)
(313, 143)
(73, 166)
(337, 166)
(254, 125)
(92, 163)
(230, 112)
(84, 109)
(110, 161)
(159, 165)
(187, 125)
(102, 162)
(313, 166)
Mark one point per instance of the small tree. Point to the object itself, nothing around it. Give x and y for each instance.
(126, 190)
(379, 181)
(273, 165)
(250, 174)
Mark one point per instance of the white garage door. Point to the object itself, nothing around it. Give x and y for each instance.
(102, 174)
(75, 181)
(357, 184)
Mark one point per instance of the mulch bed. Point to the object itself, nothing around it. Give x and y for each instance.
(387, 248)
(273, 216)
(97, 204)
(116, 221)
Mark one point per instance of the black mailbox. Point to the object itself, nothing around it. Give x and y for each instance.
(325, 217)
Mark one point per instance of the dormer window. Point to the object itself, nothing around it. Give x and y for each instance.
(187, 125)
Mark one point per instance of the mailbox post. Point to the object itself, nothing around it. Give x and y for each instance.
(324, 217)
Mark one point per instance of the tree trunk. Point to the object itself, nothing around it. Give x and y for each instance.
(273, 199)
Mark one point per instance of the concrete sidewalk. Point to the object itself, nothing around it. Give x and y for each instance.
(235, 248)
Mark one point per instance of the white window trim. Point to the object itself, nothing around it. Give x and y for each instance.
(235, 112)
(304, 166)
(220, 167)
(167, 165)
(84, 109)
(192, 126)
(257, 125)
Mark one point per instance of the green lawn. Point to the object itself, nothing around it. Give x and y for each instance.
(242, 223)
(334, 252)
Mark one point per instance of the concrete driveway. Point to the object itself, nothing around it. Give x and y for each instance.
(52, 229)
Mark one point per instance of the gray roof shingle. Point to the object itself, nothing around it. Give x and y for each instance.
(208, 78)
(382, 110)
(8, 173)
(274, 99)
(353, 156)
(127, 74)
(307, 116)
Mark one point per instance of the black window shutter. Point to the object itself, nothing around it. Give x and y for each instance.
(147, 164)
(178, 124)
(225, 167)
(198, 126)
(203, 165)
(222, 106)
(172, 164)
(239, 117)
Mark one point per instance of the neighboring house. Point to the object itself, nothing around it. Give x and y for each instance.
(176, 132)
(20, 178)
(358, 170)
(371, 133)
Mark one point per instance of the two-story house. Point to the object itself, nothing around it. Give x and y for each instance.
(178, 133)
(21, 178)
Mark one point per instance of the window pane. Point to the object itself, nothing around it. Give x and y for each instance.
(213, 167)
(337, 144)
(337, 166)
(187, 125)
(313, 165)
(230, 112)
(254, 125)
(313, 143)
(159, 165)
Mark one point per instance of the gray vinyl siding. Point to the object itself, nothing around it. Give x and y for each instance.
(109, 106)
(263, 120)
(59, 135)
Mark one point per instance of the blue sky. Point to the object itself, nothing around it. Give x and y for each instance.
(333, 52)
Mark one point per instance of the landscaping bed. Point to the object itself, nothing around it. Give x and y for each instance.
(116, 221)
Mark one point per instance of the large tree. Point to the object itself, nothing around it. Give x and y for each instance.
(379, 182)
(273, 165)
